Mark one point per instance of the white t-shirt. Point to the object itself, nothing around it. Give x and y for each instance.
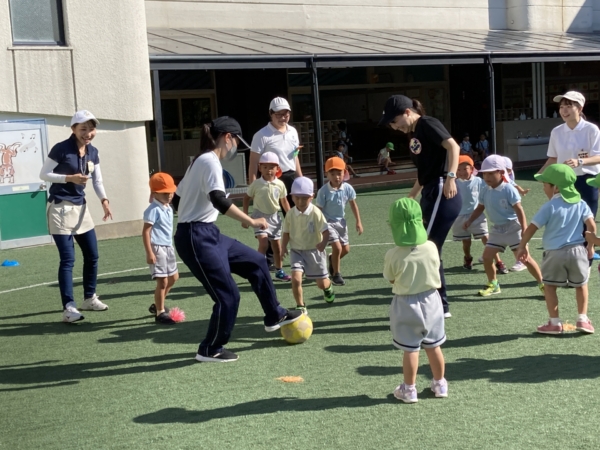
(202, 177)
(581, 142)
(269, 139)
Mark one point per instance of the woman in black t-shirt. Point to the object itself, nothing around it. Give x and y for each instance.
(435, 154)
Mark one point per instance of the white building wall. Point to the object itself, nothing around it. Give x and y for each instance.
(103, 68)
(550, 15)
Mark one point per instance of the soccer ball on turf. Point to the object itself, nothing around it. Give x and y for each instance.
(298, 331)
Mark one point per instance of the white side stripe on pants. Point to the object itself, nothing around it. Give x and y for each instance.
(436, 206)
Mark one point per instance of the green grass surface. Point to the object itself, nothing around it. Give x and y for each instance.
(117, 380)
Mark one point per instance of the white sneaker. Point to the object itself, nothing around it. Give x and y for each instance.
(70, 314)
(480, 260)
(440, 388)
(447, 315)
(93, 304)
(518, 267)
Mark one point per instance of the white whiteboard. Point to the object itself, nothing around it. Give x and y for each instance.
(21, 156)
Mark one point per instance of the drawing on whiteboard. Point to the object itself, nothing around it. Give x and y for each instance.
(7, 153)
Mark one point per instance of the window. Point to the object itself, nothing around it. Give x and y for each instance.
(37, 22)
(183, 116)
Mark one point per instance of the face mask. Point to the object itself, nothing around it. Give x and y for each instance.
(231, 154)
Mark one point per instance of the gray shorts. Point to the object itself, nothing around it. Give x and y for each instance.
(273, 231)
(166, 261)
(338, 231)
(567, 266)
(417, 321)
(312, 262)
(507, 235)
(478, 229)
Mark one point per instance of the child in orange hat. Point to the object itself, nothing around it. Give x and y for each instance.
(157, 235)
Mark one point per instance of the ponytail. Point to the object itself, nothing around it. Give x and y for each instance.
(208, 141)
(418, 107)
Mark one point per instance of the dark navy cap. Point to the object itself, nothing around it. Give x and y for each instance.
(394, 106)
(226, 124)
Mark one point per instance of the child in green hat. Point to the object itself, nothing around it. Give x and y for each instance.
(416, 312)
(384, 160)
(565, 260)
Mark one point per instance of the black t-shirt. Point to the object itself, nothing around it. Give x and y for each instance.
(426, 149)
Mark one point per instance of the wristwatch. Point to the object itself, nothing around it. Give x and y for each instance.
(451, 175)
(580, 162)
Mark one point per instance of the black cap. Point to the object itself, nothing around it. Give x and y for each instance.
(394, 106)
(226, 124)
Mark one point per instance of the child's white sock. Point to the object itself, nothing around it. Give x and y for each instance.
(582, 318)
(410, 386)
(555, 321)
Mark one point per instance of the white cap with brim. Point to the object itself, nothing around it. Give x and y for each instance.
(279, 104)
(268, 158)
(493, 163)
(574, 96)
(83, 116)
(303, 186)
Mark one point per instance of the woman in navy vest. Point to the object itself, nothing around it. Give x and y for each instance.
(435, 154)
(69, 166)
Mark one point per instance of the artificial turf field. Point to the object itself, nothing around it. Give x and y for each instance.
(118, 380)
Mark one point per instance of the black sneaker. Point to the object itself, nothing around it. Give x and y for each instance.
(152, 309)
(164, 318)
(337, 280)
(223, 356)
(330, 266)
(291, 316)
(272, 268)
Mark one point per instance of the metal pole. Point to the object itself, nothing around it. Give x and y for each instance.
(534, 87)
(543, 91)
(160, 140)
(492, 135)
(317, 124)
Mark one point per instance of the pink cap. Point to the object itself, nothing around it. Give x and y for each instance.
(493, 163)
(268, 158)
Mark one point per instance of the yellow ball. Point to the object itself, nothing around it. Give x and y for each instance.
(298, 331)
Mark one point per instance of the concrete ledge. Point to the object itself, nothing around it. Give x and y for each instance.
(119, 229)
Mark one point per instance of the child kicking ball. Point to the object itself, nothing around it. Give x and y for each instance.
(416, 313)
(332, 199)
(306, 231)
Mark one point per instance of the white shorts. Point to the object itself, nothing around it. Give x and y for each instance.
(166, 261)
(312, 262)
(507, 235)
(338, 231)
(273, 231)
(417, 321)
(478, 229)
(567, 266)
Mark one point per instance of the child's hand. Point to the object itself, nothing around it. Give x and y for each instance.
(284, 253)
(466, 225)
(245, 225)
(359, 228)
(525, 192)
(261, 223)
(522, 254)
(151, 258)
(321, 246)
(590, 237)
(591, 251)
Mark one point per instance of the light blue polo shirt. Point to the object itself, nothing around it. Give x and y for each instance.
(469, 193)
(499, 202)
(563, 222)
(333, 201)
(161, 218)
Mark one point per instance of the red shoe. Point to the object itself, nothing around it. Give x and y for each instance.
(585, 327)
(391, 172)
(552, 329)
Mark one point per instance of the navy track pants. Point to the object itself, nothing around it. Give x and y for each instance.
(439, 213)
(212, 257)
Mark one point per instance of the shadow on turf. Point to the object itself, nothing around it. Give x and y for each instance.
(256, 407)
(524, 369)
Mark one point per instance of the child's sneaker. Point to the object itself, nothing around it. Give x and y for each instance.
(501, 268)
(329, 295)
(492, 288)
(71, 314)
(152, 309)
(337, 280)
(93, 304)
(518, 267)
(406, 394)
(467, 263)
(282, 276)
(302, 309)
(550, 329)
(391, 172)
(585, 326)
(440, 388)
(164, 318)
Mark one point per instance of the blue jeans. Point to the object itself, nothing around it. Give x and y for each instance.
(66, 249)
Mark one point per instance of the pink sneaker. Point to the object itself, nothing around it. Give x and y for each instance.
(552, 329)
(585, 327)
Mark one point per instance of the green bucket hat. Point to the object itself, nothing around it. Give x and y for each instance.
(563, 177)
(594, 181)
(390, 145)
(407, 223)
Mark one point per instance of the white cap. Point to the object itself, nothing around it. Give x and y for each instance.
(279, 104)
(268, 158)
(573, 96)
(303, 186)
(507, 162)
(493, 163)
(83, 116)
